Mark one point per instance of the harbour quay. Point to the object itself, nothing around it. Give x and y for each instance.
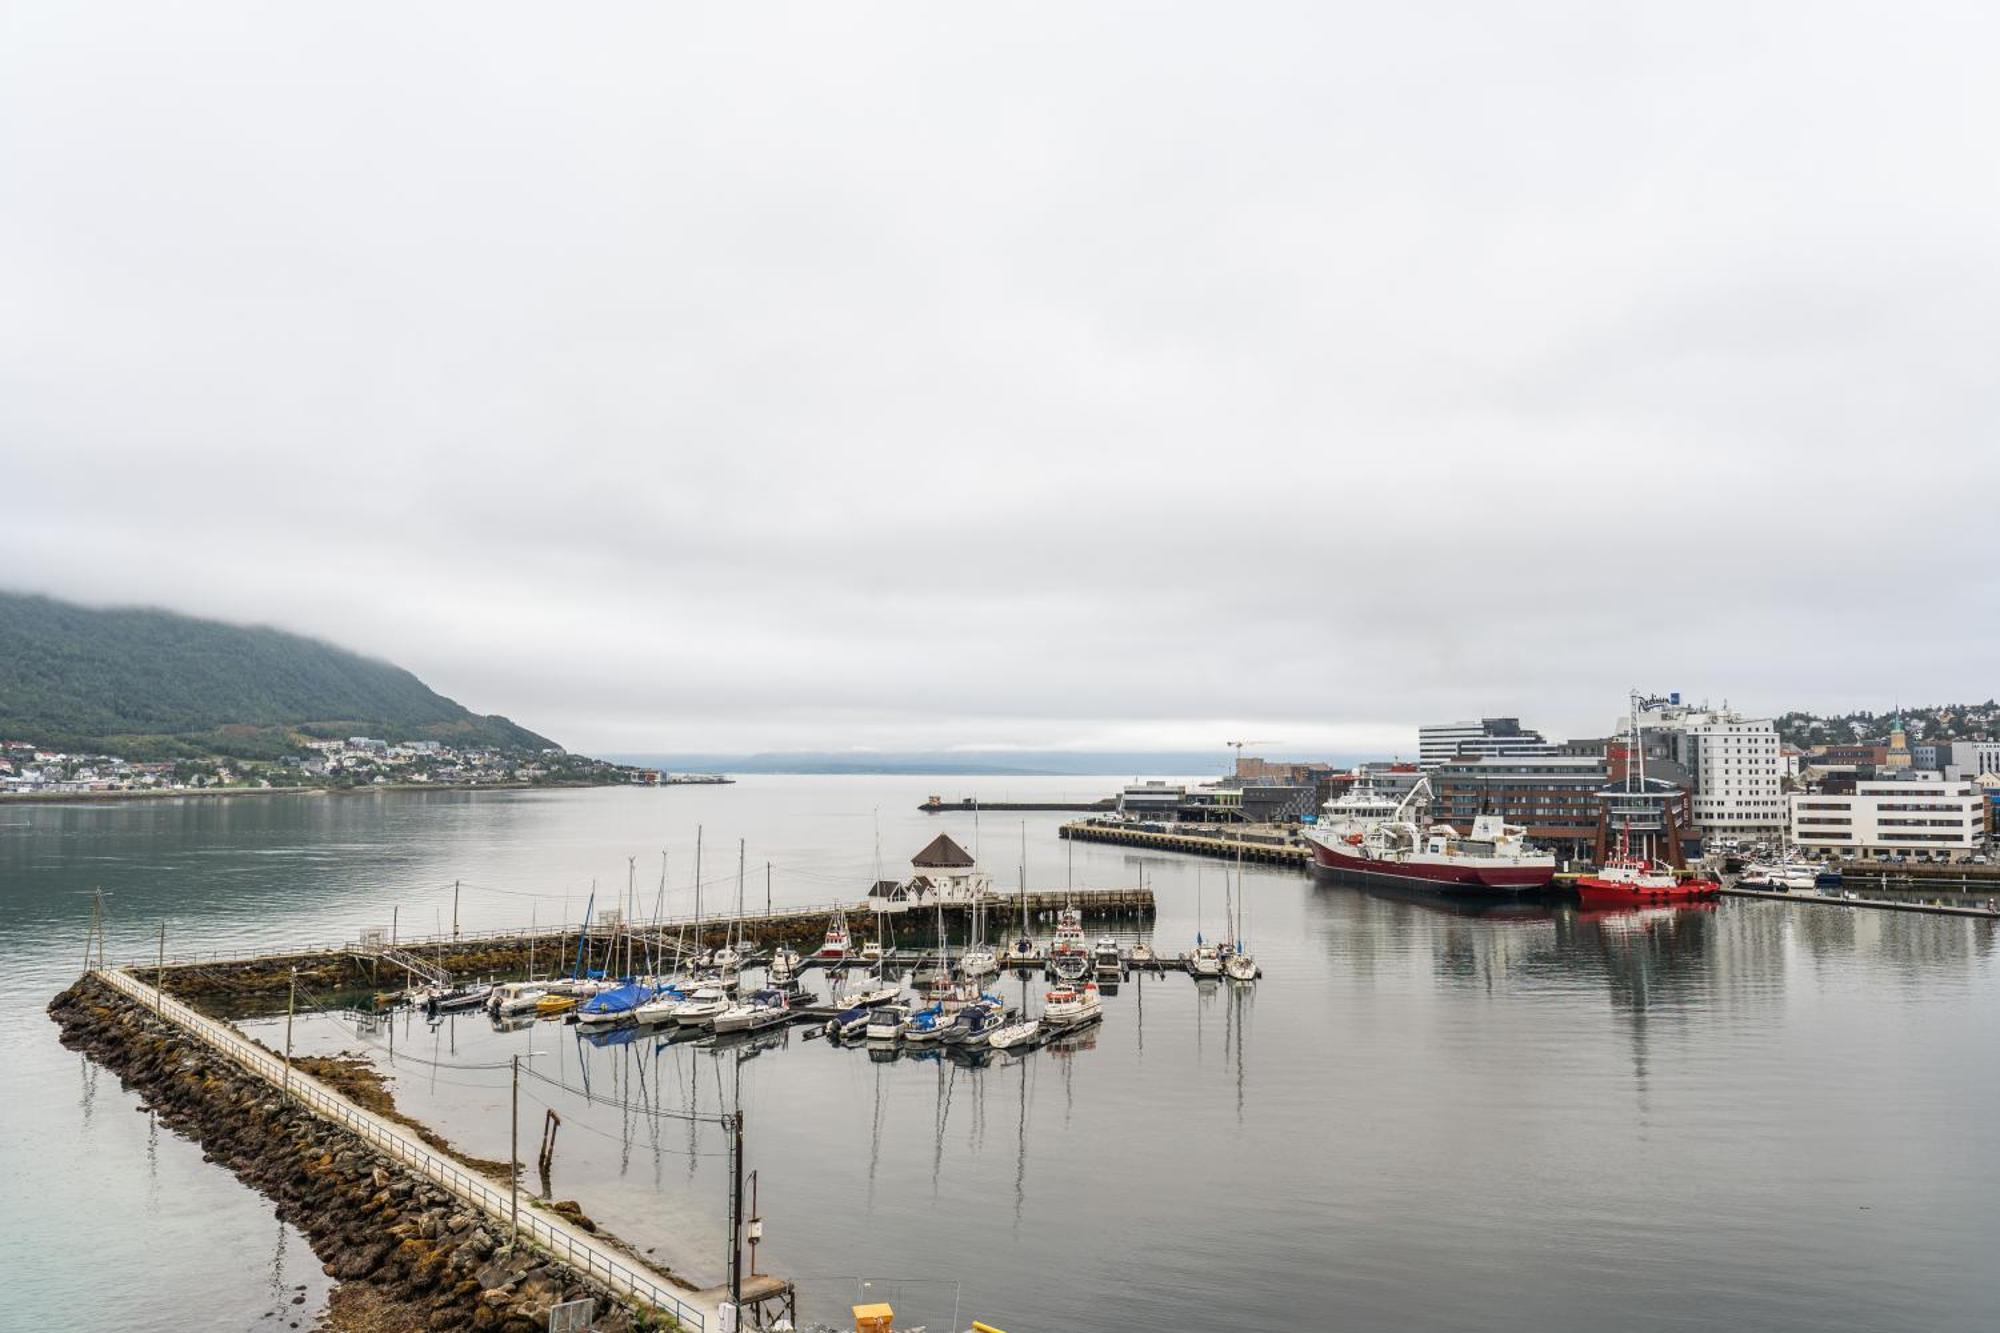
(1259, 845)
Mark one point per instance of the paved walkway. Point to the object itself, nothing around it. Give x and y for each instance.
(602, 1264)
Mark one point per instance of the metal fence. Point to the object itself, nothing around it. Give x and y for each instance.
(594, 1262)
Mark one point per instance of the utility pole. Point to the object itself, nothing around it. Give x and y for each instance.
(160, 973)
(514, 1156)
(736, 1211)
(394, 913)
(454, 909)
(291, 1003)
(90, 935)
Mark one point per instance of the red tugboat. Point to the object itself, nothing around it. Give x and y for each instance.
(1626, 880)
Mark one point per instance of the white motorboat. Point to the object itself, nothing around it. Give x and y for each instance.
(885, 1022)
(1142, 954)
(975, 1024)
(784, 963)
(445, 999)
(516, 997)
(1015, 1036)
(1105, 956)
(1072, 1007)
(708, 1002)
(766, 1008)
(660, 1009)
(849, 1022)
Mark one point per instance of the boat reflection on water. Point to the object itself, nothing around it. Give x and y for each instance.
(745, 1045)
(603, 1038)
(1486, 908)
(1625, 919)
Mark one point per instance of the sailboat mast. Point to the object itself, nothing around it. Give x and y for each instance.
(1024, 879)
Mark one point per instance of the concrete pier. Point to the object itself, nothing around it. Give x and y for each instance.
(1228, 845)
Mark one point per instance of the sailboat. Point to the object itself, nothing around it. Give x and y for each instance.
(1239, 965)
(942, 990)
(979, 959)
(1205, 959)
(1024, 948)
(729, 957)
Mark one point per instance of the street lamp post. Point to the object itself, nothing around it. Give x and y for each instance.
(291, 1003)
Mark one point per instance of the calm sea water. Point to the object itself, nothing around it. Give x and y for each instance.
(1757, 1114)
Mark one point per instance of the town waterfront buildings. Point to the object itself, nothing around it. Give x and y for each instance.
(1913, 812)
(1489, 736)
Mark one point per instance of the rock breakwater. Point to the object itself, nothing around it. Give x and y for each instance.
(424, 1254)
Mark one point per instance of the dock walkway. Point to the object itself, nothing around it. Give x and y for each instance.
(1225, 845)
(589, 1254)
(1885, 904)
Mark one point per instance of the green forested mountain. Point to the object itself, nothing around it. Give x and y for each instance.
(153, 684)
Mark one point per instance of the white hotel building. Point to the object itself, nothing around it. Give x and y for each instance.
(1919, 813)
(1737, 766)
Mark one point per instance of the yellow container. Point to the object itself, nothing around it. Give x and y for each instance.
(873, 1319)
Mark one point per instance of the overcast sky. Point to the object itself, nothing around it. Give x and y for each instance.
(758, 377)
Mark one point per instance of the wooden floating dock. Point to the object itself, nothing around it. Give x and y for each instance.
(1225, 846)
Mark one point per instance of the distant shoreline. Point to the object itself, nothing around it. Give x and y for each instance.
(205, 793)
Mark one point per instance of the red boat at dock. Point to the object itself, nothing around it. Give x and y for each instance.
(1625, 880)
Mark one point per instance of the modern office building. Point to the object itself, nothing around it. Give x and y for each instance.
(1488, 736)
(1969, 759)
(1736, 765)
(1554, 797)
(1883, 816)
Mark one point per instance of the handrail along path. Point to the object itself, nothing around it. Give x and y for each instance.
(571, 1244)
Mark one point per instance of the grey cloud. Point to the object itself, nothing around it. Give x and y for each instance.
(722, 379)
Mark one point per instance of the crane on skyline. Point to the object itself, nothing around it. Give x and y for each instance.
(1239, 751)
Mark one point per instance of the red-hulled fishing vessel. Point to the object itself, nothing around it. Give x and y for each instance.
(1367, 836)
